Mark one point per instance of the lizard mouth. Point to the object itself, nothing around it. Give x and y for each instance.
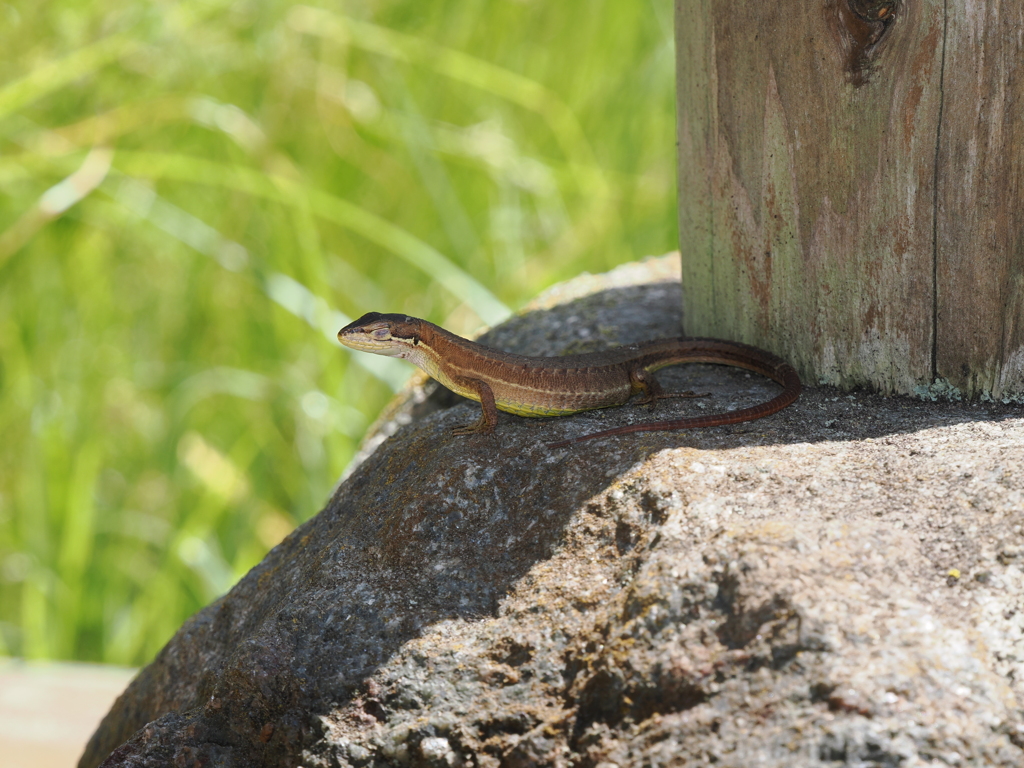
(362, 339)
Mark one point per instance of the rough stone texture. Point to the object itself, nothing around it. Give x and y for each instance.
(840, 584)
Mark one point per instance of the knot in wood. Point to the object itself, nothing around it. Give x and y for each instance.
(874, 10)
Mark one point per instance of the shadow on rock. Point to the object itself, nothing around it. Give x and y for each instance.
(500, 551)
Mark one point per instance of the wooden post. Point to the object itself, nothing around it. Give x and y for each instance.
(851, 176)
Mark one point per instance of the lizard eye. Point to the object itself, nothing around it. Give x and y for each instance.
(381, 333)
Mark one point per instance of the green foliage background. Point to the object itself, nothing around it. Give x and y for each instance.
(194, 196)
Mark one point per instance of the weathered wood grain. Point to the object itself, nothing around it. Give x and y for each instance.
(980, 221)
(850, 178)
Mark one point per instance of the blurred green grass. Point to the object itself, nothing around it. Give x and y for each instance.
(194, 196)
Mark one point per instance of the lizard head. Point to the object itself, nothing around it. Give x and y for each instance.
(391, 335)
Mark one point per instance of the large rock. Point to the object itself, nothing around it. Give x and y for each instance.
(839, 584)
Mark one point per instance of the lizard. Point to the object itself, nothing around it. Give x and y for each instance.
(558, 386)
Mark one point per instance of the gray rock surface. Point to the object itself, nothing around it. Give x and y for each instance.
(839, 584)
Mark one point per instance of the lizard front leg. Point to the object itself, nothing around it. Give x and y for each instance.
(489, 411)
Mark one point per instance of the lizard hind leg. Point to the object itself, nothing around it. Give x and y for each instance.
(644, 384)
